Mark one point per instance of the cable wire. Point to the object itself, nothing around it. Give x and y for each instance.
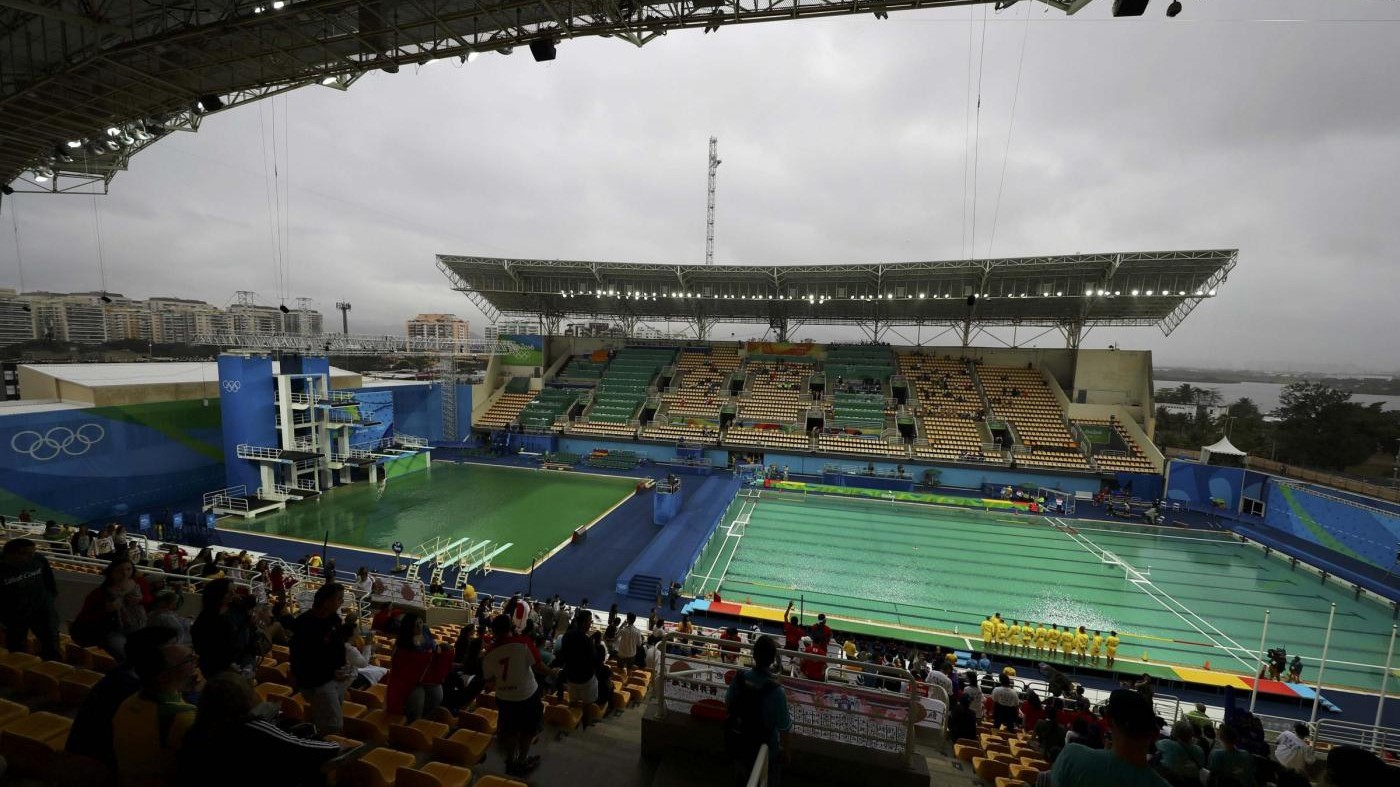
(1010, 128)
(977, 130)
(967, 122)
(19, 256)
(97, 232)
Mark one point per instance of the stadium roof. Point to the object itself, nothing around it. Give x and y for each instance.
(1156, 288)
(84, 86)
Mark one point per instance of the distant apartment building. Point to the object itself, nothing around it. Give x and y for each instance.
(94, 318)
(437, 326)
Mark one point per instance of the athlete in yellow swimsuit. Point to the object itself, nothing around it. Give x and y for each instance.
(1081, 643)
(1112, 644)
(1095, 646)
(989, 628)
(1052, 640)
(1003, 631)
(1066, 641)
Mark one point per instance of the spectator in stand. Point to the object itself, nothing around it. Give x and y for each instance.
(821, 633)
(1293, 752)
(357, 657)
(941, 678)
(729, 648)
(419, 666)
(1143, 686)
(1006, 704)
(165, 611)
(1199, 719)
(364, 584)
(758, 716)
(150, 725)
(1350, 766)
(603, 673)
(1134, 726)
(386, 619)
(812, 669)
(974, 694)
(82, 542)
(279, 583)
(318, 657)
(629, 643)
(576, 658)
(111, 610)
(962, 722)
(1031, 710)
(27, 595)
(220, 638)
(228, 721)
(513, 665)
(1229, 762)
(467, 657)
(1049, 734)
(792, 633)
(91, 734)
(280, 625)
(1178, 757)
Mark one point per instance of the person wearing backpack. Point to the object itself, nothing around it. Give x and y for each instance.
(758, 715)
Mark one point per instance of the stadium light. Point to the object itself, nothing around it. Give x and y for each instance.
(75, 143)
(1212, 292)
(112, 131)
(1149, 293)
(1135, 292)
(278, 5)
(1059, 293)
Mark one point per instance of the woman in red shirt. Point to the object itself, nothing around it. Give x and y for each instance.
(418, 668)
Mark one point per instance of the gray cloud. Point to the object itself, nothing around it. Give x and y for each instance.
(843, 140)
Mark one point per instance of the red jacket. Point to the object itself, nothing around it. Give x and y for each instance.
(814, 668)
(411, 668)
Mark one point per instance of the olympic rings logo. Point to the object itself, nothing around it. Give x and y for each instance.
(232, 386)
(57, 441)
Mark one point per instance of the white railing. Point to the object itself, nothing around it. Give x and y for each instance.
(245, 451)
(758, 775)
(1348, 733)
(298, 398)
(832, 710)
(221, 497)
(299, 418)
(411, 441)
(309, 446)
(340, 397)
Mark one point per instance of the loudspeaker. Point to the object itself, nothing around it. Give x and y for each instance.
(971, 301)
(1129, 7)
(542, 50)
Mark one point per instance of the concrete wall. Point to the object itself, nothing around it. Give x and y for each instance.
(1111, 377)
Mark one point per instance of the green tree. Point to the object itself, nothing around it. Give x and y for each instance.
(1321, 427)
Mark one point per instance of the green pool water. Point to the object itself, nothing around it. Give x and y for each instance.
(534, 510)
(1195, 596)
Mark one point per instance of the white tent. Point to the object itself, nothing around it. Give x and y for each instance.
(1223, 448)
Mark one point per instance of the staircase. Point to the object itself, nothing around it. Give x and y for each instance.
(644, 587)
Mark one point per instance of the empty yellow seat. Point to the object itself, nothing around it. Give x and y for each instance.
(988, 770)
(76, 684)
(42, 679)
(418, 736)
(464, 747)
(10, 712)
(492, 780)
(273, 692)
(479, 720)
(372, 697)
(28, 744)
(13, 667)
(562, 717)
(378, 768)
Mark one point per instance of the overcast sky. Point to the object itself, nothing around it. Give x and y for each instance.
(843, 140)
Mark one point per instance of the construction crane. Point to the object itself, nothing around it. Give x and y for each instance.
(710, 204)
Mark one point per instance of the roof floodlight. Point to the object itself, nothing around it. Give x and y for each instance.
(278, 5)
(1060, 293)
(258, 9)
(1182, 293)
(1116, 293)
(1135, 292)
(329, 81)
(1212, 292)
(112, 144)
(75, 143)
(921, 296)
(112, 131)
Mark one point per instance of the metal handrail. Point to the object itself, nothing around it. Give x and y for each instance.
(758, 775)
(1335, 732)
(744, 650)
